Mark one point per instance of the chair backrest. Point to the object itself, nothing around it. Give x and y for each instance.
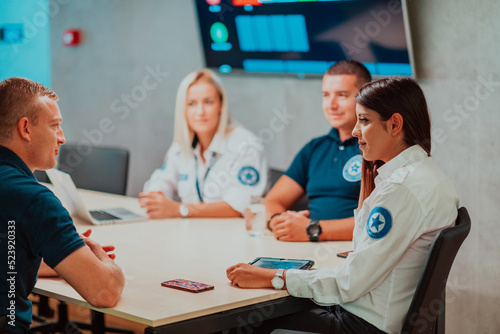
(41, 176)
(426, 312)
(96, 167)
(302, 204)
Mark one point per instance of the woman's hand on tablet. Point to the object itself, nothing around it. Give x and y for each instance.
(245, 275)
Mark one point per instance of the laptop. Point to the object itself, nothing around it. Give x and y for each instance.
(65, 190)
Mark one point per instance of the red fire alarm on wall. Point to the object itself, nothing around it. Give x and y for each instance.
(71, 37)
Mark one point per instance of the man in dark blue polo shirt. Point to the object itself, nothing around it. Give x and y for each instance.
(327, 169)
(33, 223)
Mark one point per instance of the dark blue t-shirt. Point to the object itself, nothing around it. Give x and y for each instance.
(33, 225)
(329, 171)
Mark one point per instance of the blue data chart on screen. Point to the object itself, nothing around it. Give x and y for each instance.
(304, 36)
(280, 33)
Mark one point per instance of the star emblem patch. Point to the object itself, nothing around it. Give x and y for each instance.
(379, 223)
(248, 176)
(352, 169)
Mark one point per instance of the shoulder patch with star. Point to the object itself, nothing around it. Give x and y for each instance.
(379, 223)
(248, 176)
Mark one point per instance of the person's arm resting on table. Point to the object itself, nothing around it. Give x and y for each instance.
(157, 205)
(292, 226)
(283, 195)
(46, 271)
(246, 275)
(93, 274)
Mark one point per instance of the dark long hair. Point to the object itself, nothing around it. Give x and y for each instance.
(389, 96)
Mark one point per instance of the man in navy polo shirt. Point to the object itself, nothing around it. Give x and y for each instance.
(33, 223)
(327, 169)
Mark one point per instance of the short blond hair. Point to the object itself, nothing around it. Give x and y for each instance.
(19, 97)
(183, 135)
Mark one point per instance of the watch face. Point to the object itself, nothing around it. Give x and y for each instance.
(184, 211)
(313, 230)
(278, 282)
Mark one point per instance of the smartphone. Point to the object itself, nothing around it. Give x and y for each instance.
(278, 263)
(343, 254)
(187, 285)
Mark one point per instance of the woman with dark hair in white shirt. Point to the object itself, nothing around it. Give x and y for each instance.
(405, 200)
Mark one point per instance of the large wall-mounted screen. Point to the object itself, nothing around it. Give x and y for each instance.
(304, 37)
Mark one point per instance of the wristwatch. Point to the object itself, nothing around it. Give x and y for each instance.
(184, 211)
(278, 281)
(314, 230)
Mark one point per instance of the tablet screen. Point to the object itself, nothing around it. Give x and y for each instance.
(277, 263)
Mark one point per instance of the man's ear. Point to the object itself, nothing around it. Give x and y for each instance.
(396, 124)
(24, 129)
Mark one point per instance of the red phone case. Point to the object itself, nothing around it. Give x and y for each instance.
(187, 285)
(343, 254)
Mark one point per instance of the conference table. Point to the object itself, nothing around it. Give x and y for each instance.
(153, 251)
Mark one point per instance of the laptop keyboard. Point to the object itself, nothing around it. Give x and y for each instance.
(101, 215)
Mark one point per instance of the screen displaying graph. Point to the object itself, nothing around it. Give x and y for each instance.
(304, 37)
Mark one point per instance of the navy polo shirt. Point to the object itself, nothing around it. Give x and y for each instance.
(329, 171)
(33, 225)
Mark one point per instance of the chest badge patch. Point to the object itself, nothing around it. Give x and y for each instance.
(352, 169)
(248, 176)
(379, 223)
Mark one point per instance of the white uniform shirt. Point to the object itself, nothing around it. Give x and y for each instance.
(235, 171)
(412, 200)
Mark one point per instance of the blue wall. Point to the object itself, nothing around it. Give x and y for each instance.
(29, 58)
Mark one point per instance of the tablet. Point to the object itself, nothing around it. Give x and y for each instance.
(277, 263)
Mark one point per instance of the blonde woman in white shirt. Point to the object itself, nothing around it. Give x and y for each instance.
(215, 168)
(405, 200)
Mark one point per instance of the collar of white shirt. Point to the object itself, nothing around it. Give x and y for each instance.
(410, 155)
(217, 146)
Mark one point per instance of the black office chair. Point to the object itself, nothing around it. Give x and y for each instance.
(41, 176)
(431, 289)
(96, 168)
(302, 204)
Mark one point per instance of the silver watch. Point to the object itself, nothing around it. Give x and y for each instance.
(278, 282)
(184, 211)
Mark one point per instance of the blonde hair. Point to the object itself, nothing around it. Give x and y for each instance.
(183, 135)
